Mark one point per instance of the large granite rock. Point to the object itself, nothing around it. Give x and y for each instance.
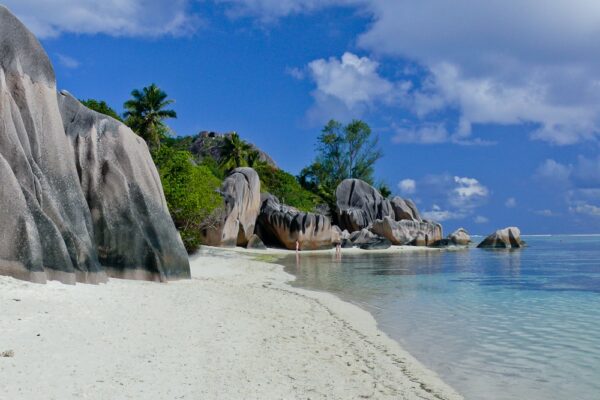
(281, 226)
(367, 240)
(73, 208)
(507, 238)
(459, 237)
(133, 231)
(359, 204)
(407, 232)
(241, 195)
(405, 209)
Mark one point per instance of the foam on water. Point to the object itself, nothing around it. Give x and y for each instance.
(493, 324)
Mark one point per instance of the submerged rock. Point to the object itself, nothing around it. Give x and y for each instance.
(408, 232)
(507, 238)
(280, 225)
(80, 200)
(359, 204)
(241, 195)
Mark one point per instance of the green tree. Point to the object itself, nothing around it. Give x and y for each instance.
(101, 107)
(145, 114)
(343, 152)
(235, 152)
(190, 191)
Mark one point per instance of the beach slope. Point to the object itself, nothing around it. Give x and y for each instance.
(236, 330)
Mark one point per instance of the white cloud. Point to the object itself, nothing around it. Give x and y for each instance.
(585, 209)
(494, 62)
(67, 62)
(295, 73)
(480, 219)
(545, 213)
(424, 134)
(407, 186)
(439, 215)
(468, 193)
(350, 85)
(511, 202)
(554, 172)
(50, 18)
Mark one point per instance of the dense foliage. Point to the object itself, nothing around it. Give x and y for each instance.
(190, 190)
(286, 187)
(101, 107)
(145, 114)
(343, 152)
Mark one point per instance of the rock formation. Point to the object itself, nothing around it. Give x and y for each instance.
(241, 194)
(81, 199)
(359, 204)
(407, 232)
(405, 209)
(367, 240)
(210, 144)
(507, 238)
(459, 237)
(255, 243)
(280, 225)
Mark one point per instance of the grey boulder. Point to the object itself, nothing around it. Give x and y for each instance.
(282, 226)
(73, 209)
(407, 232)
(256, 243)
(507, 238)
(460, 237)
(405, 209)
(241, 195)
(358, 204)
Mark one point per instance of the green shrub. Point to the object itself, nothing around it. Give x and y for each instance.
(286, 187)
(190, 190)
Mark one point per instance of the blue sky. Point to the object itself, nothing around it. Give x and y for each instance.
(488, 112)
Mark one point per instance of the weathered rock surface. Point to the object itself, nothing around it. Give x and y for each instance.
(359, 204)
(73, 208)
(281, 226)
(367, 240)
(133, 231)
(241, 195)
(255, 243)
(405, 209)
(460, 237)
(210, 144)
(407, 232)
(507, 238)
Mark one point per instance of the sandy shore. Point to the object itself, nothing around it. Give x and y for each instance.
(236, 330)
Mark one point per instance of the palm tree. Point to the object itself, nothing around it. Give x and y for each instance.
(235, 151)
(145, 113)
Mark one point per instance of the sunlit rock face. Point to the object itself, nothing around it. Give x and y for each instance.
(69, 210)
(133, 231)
(408, 232)
(405, 209)
(241, 196)
(359, 204)
(507, 238)
(459, 237)
(282, 226)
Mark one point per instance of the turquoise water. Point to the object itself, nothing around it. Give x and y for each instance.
(510, 324)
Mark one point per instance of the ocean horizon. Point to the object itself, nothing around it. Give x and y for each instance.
(494, 324)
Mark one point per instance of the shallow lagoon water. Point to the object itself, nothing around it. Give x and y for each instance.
(494, 324)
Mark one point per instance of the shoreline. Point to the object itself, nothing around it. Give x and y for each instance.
(237, 329)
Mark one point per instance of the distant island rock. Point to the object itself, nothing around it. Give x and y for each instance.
(507, 238)
(81, 199)
(460, 237)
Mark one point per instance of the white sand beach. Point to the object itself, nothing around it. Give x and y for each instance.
(236, 330)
